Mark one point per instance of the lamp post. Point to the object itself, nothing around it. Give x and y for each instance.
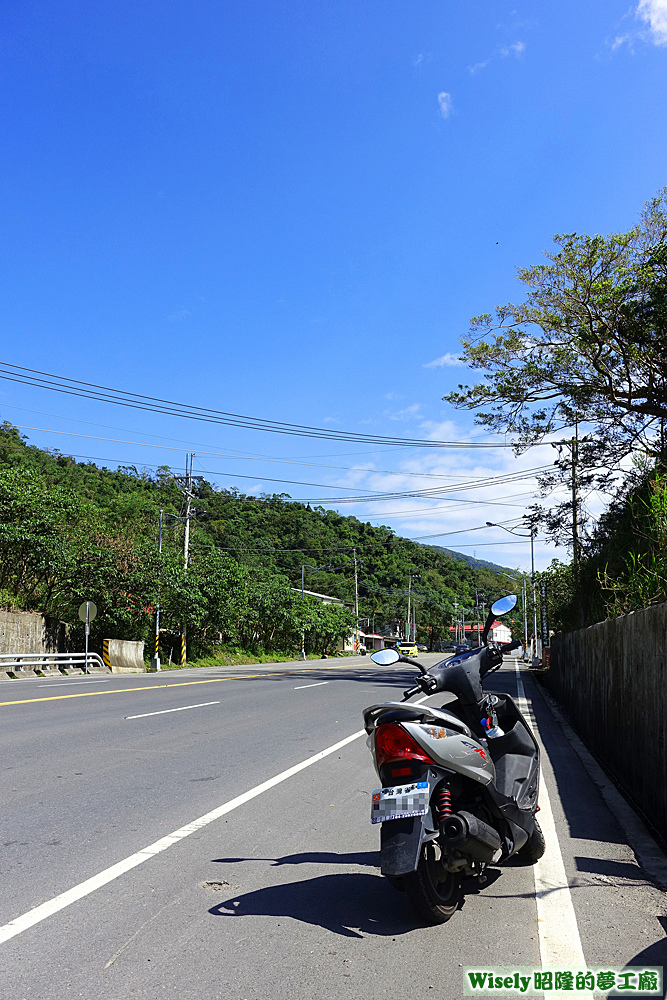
(491, 524)
(176, 519)
(311, 569)
(412, 575)
(155, 662)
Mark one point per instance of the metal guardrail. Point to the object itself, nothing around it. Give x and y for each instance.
(49, 662)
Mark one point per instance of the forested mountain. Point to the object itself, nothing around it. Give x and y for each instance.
(71, 531)
(471, 560)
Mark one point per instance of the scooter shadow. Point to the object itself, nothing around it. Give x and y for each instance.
(349, 904)
(370, 858)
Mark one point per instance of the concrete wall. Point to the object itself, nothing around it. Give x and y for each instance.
(612, 679)
(124, 654)
(23, 632)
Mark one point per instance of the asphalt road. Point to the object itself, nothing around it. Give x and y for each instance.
(279, 896)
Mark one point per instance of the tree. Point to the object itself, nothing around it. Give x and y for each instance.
(587, 346)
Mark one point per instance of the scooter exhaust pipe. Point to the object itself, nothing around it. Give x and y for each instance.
(470, 835)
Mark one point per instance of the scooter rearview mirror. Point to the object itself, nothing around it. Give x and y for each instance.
(503, 605)
(385, 657)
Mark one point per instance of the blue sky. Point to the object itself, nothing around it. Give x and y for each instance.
(292, 210)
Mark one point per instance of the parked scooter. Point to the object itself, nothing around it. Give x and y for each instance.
(460, 783)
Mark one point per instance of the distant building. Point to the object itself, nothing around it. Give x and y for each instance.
(500, 633)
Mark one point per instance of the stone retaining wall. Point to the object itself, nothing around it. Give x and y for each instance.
(612, 680)
(24, 632)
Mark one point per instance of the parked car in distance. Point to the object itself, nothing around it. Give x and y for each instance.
(407, 648)
(463, 647)
(422, 648)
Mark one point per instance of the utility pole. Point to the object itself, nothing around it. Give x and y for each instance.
(356, 586)
(407, 632)
(575, 505)
(477, 613)
(356, 603)
(156, 658)
(186, 539)
(303, 635)
(188, 503)
(525, 620)
(535, 659)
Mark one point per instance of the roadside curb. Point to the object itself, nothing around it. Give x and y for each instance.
(649, 855)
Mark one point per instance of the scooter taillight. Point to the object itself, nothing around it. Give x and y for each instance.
(393, 743)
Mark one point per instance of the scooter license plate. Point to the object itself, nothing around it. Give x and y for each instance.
(399, 802)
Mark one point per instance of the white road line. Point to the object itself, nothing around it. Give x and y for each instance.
(166, 711)
(560, 943)
(300, 687)
(70, 683)
(44, 910)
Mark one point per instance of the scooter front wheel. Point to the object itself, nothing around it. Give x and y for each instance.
(434, 892)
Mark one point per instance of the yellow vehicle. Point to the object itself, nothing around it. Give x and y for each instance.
(407, 648)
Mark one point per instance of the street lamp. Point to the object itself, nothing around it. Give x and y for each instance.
(522, 581)
(175, 519)
(412, 575)
(310, 569)
(491, 524)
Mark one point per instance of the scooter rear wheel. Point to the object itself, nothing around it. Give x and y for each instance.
(434, 892)
(535, 846)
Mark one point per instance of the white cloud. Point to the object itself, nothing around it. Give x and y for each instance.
(445, 359)
(654, 13)
(445, 102)
(516, 48)
(621, 40)
(176, 316)
(456, 512)
(407, 413)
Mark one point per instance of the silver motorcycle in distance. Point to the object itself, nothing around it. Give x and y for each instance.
(459, 783)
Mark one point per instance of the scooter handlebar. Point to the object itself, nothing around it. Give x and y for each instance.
(425, 683)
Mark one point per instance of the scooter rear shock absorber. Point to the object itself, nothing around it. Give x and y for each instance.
(444, 803)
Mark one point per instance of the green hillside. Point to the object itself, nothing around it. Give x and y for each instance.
(471, 560)
(71, 531)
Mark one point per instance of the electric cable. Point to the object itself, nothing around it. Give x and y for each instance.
(120, 397)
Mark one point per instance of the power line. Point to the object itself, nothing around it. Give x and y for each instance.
(124, 464)
(368, 495)
(119, 397)
(255, 458)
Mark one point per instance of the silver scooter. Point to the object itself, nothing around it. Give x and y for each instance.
(459, 783)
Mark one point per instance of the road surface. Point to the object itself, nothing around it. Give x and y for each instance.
(259, 889)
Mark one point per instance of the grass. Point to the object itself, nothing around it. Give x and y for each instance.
(240, 658)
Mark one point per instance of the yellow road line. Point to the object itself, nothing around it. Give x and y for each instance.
(154, 687)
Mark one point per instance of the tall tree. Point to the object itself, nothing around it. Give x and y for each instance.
(588, 348)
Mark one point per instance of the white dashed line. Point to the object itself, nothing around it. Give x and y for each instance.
(166, 711)
(300, 687)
